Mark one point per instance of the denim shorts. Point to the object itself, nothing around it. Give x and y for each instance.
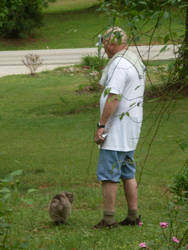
(115, 165)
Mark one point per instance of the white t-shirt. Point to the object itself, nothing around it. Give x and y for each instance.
(124, 125)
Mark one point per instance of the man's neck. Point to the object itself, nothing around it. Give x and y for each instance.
(119, 48)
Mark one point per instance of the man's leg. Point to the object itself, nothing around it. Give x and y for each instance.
(108, 173)
(109, 190)
(130, 189)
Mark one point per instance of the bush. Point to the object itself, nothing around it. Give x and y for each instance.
(18, 18)
(95, 65)
(9, 195)
(180, 184)
(8, 188)
(94, 62)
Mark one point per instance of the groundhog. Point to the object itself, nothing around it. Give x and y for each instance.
(60, 207)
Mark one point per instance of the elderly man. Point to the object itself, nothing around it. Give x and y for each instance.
(119, 126)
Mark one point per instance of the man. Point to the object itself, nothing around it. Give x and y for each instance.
(119, 126)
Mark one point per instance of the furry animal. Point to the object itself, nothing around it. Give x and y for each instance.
(60, 207)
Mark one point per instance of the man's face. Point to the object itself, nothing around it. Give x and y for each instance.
(108, 47)
(111, 47)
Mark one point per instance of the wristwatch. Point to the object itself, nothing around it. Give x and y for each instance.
(100, 125)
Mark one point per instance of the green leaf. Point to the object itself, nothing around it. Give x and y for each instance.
(166, 39)
(113, 166)
(163, 48)
(24, 245)
(62, 99)
(183, 145)
(154, 99)
(6, 196)
(17, 173)
(171, 67)
(111, 98)
(143, 3)
(132, 104)
(122, 115)
(112, 170)
(28, 201)
(31, 190)
(127, 113)
(137, 38)
(119, 97)
(4, 225)
(5, 190)
(117, 36)
(137, 87)
(106, 91)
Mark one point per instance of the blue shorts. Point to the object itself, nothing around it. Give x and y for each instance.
(113, 165)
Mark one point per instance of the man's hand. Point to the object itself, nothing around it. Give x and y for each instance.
(98, 136)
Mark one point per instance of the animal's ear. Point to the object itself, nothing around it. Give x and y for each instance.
(70, 196)
(57, 197)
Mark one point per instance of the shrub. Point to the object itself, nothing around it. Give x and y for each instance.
(32, 62)
(18, 18)
(95, 65)
(9, 195)
(94, 62)
(8, 189)
(180, 184)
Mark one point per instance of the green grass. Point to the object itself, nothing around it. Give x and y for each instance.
(60, 6)
(66, 30)
(47, 130)
(78, 29)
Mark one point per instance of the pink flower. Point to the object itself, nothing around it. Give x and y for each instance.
(140, 223)
(163, 224)
(142, 245)
(175, 240)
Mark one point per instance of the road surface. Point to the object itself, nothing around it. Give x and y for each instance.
(11, 62)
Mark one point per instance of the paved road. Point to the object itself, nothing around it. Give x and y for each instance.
(11, 61)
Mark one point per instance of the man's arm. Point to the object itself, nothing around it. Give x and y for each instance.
(109, 108)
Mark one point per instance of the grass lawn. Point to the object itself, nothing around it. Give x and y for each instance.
(47, 130)
(78, 29)
(60, 6)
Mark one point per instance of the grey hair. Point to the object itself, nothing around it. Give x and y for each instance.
(113, 33)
